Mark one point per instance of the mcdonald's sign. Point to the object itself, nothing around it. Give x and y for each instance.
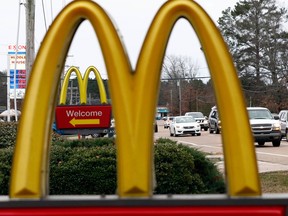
(134, 94)
(81, 116)
(83, 83)
(71, 117)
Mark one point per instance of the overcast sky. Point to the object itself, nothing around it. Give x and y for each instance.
(132, 17)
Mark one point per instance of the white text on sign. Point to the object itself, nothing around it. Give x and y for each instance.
(79, 113)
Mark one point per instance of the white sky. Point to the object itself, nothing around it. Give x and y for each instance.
(132, 17)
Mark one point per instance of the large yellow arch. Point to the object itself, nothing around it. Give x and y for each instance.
(240, 159)
(134, 95)
(83, 83)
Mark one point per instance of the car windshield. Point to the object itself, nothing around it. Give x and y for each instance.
(187, 119)
(259, 114)
(196, 115)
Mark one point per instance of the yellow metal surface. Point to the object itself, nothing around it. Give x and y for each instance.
(134, 96)
(83, 83)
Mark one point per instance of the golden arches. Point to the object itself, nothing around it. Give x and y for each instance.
(83, 83)
(139, 90)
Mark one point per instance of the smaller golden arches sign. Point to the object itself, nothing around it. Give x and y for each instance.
(83, 83)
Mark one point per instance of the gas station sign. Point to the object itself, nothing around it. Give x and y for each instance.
(73, 117)
(17, 71)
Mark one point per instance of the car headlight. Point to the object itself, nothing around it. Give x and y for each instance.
(276, 126)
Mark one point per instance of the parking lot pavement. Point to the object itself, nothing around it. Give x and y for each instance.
(271, 167)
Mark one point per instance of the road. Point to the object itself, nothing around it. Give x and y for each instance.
(269, 158)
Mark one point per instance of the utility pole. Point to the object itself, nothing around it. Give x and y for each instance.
(30, 29)
(180, 96)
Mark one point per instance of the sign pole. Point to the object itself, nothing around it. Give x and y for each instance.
(16, 53)
(8, 87)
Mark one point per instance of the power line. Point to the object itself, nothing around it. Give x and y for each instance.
(44, 15)
(187, 78)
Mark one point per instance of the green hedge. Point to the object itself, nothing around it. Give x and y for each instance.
(83, 170)
(184, 170)
(8, 131)
(6, 155)
(89, 167)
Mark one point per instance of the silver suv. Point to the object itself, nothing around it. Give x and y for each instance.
(214, 122)
(265, 127)
(200, 118)
(283, 117)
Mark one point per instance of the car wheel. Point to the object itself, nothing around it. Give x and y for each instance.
(217, 130)
(205, 129)
(175, 135)
(261, 143)
(156, 129)
(98, 135)
(276, 143)
(199, 134)
(95, 135)
(171, 134)
(210, 129)
(286, 135)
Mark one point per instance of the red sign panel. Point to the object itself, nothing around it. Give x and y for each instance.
(73, 117)
(155, 211)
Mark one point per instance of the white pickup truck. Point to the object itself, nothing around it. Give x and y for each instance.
(265, 127)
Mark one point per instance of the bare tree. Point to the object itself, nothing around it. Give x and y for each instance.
(179, 67)
(181, 91)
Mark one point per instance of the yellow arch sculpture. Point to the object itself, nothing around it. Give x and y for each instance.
(83, 83)
(134, 95)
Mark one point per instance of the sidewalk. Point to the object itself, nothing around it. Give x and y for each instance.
(262, 166)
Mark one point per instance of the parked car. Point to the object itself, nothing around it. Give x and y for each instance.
(184, 125)
(200, 118)
(168, 120)
(265, 127)
(283, 117)
(214, 121)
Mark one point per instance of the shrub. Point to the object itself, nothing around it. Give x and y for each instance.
(184, 170)
(83, 170)
(174, 171)
(8, 132)
(212, 178)
(6, 155)
(89, 167)
(88, 143)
